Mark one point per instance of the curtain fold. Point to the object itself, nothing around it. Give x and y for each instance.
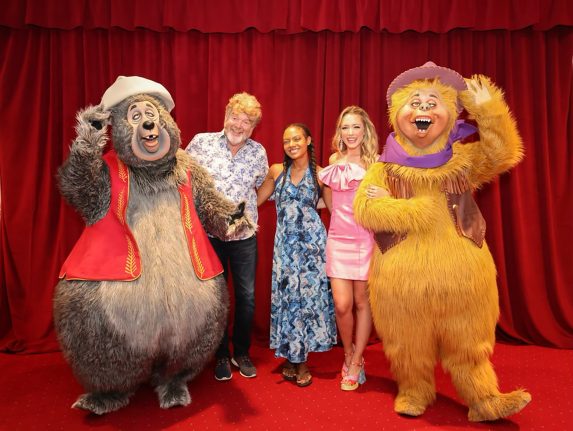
(51, 70)
(291, 16)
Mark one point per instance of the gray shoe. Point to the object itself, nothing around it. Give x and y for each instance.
(223, 370)
(245, 366)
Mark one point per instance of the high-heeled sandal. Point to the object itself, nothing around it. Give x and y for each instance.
(344, 370)
(351, 383)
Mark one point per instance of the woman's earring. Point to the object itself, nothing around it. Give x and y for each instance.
(341, 145)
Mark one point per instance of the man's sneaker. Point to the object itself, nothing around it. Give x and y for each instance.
(223, 369)
(245, 366)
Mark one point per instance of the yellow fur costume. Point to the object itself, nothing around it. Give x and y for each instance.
(433, 290)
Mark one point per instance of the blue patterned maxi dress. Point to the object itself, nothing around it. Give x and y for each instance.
(302, 309)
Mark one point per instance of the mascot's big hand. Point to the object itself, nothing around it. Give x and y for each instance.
(84, 180)
(91, 126)
(239, 221)
(480, 96)
(499, 146)
(478, 89)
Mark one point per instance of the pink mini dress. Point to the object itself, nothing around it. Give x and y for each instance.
(348, 246)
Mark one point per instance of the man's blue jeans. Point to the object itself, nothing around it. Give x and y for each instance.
(240, 257)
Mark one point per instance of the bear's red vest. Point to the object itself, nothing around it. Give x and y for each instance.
(107, 249)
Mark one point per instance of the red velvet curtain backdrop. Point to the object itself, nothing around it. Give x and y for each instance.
(305, 60)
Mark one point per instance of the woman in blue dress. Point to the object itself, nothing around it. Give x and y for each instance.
(302, 309)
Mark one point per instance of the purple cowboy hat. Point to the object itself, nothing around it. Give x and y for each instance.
(429, 70)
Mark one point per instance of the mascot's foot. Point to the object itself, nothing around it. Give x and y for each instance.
(173, 394)
(500, 406)
(408, 405)
(101, 403)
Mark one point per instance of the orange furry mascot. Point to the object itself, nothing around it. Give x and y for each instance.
(432, 281)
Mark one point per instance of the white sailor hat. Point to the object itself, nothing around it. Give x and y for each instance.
(126, 86)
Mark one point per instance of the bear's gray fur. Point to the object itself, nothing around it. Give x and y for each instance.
(164, 326)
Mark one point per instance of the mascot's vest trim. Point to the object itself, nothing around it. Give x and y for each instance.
(461, 205)
(107, 249)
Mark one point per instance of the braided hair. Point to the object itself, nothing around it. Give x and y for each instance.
(287, 161)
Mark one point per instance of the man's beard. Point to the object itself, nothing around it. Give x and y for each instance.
(235, 139)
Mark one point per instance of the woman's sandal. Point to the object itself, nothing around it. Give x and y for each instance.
(289, 371)
(344, 370)
(351, 383)
(303, 376)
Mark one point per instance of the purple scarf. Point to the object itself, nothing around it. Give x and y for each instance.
(394, 153)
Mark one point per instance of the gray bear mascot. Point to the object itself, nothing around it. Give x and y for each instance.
(142, 297)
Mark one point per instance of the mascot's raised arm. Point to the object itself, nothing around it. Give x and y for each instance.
(142, 296)
(432, 280)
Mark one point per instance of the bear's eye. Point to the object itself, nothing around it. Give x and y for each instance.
(136, 116)
(415, 104)
(150, 114)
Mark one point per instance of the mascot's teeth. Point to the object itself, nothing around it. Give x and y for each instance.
(423, 123)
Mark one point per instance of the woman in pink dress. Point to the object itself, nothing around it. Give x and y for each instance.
(349, 246)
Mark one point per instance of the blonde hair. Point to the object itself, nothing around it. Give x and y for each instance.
(448, 95)
(369, 145)
(245, 103)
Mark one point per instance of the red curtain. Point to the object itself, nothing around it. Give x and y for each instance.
(291, 16)
(305, 60)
